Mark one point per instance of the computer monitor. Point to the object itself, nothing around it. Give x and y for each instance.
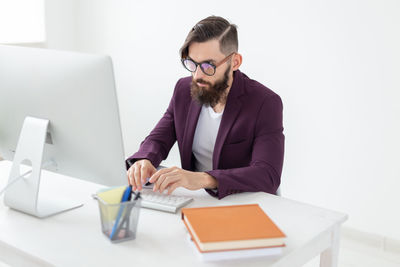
(60, 108)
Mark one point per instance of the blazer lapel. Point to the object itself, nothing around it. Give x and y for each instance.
(190, 127)
(231, 111)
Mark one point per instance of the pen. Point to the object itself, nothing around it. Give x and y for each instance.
(137, 196)
(128, 214)
(125, 197)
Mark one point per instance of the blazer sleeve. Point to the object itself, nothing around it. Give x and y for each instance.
(265, 168)
(159, 142)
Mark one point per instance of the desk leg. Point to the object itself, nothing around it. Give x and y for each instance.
(329, 257)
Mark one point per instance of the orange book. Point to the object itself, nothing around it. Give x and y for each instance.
(231, 227)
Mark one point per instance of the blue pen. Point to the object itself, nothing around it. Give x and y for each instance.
(128, 214)
(125, 197)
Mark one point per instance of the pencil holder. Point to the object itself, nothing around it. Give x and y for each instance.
(119, 221)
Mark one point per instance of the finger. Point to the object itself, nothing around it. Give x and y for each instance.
(152, 171)
(156, 183)
(129, 173)
(167, 173)
(167, 182)
(144, 174)
(157, 174)
(159, 181)
(137, 179)
(172, 187)
(155, 177)
(132, 177)
(147, 173)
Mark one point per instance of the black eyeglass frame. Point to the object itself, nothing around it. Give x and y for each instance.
(215, 66)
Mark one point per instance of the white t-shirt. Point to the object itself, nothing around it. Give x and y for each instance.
(204, 138)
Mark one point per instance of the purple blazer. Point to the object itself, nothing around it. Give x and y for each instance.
(248, 152)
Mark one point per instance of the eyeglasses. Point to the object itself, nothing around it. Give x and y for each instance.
(206, 67)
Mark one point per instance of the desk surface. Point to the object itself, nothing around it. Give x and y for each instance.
(74, 238)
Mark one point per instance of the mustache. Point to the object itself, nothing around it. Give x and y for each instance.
(203, 82)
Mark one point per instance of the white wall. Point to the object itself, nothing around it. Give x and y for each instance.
(60, 20)
(334, 63)
(22, 25)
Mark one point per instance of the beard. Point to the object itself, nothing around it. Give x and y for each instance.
(211, 95)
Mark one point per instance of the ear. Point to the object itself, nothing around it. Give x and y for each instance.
(236, 61)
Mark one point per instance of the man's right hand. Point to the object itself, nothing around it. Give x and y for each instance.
(139, 172)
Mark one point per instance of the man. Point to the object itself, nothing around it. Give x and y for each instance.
(228, 127)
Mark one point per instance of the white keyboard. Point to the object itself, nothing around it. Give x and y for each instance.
(163, 202)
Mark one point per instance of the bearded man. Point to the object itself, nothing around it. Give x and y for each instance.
(228, 127)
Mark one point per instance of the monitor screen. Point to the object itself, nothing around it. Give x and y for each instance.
(76, 94)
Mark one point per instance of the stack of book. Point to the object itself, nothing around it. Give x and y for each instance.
(231, 232)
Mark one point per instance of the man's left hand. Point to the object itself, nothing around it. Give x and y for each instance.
(174, 177)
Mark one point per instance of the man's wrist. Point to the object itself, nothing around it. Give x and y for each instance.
(209, 181)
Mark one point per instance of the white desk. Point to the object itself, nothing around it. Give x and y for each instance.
(74, 238)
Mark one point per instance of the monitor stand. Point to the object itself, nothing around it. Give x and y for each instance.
(24, 194)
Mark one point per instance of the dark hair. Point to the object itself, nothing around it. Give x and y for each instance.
(210, 28)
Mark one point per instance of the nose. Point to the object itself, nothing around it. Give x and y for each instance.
(198, 74)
